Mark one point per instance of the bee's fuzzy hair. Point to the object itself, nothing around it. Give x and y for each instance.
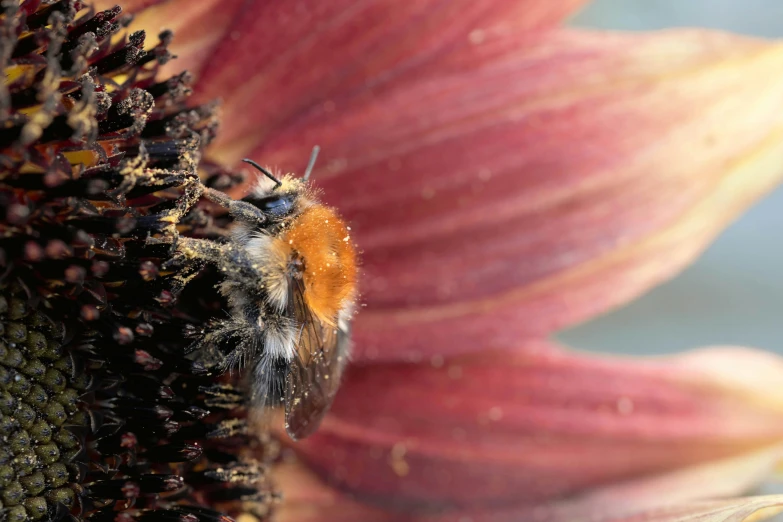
(272, 255)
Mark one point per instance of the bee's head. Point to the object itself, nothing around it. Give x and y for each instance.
(279, 198)
(279, 202)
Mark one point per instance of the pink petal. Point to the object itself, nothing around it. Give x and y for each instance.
(281, 57)
(687, 487)
(519, 429)
(682, 492)
(733, 510)
(529, 182)
(685, 492)
(284, 60)
(730, 510)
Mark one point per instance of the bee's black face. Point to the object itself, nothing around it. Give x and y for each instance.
(276, 205)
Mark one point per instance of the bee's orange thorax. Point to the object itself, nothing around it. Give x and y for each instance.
(323, 242)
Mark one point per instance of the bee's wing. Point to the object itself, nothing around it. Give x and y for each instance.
(314, 377)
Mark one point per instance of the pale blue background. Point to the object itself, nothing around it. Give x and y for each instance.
(734, 293)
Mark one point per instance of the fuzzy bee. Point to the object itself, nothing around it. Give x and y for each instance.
(289, 275)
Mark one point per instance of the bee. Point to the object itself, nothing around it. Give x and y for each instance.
(289, 270)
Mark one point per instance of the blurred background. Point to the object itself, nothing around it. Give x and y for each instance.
(733, 294)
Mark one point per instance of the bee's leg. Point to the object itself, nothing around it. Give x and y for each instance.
(231, 260)
(202, 249)
(239, 210)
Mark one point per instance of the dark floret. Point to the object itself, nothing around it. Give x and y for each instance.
(103, 414)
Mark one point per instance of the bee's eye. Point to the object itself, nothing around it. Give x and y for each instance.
(277, 205)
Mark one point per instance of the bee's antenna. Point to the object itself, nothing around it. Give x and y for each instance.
(264, 171)
(311, 163)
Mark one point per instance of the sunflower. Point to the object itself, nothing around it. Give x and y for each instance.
(505, 177)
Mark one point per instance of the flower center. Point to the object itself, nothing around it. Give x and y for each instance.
(105, 414)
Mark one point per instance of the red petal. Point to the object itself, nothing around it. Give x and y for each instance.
(518, 429)
(282, 58)
(681, 492)
(730, 510)
(522, 185)
(733, 510)
(286, 59)
(297, 55)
